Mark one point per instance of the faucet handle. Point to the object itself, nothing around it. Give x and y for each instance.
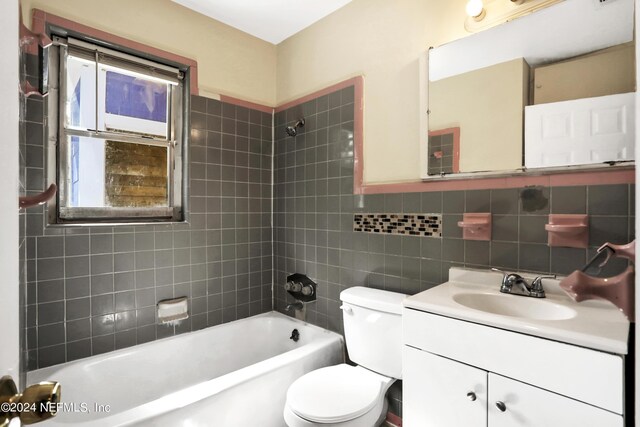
(504, 274)
(508, 279)
(536, 286)
(537, 282)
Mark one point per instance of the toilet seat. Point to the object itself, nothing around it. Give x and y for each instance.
(336, 394)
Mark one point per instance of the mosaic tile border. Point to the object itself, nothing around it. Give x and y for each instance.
(428, 225)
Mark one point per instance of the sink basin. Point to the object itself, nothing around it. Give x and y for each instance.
(474, 296)
(515, 306)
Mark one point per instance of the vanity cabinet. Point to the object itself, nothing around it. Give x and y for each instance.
(531, 406)
(458, 373)
(442, 392)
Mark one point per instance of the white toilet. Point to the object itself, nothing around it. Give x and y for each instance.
(354, 396)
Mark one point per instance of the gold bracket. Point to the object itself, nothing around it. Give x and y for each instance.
(37, 403)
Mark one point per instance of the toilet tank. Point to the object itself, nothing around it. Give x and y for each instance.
(373, 329)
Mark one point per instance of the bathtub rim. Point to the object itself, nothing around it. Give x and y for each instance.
(201, 390)
(123, 351)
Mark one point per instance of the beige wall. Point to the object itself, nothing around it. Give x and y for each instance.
(488, 107)
(607, 72)
(230, 62)
(383, 41)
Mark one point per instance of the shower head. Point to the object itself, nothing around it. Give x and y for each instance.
(293, 130)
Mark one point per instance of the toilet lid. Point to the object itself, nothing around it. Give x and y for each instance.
(334, 394)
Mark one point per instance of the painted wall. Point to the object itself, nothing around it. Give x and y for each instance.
(230, 62)
(383, 41)
(606, 72)
(9, 301)
(487, 105)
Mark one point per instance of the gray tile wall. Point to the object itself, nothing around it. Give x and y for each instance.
(94, 290)
(314, 207)
(444, 145)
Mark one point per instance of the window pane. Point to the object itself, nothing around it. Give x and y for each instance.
(133, 103)
(136, 175)
(116, 174)
(80, 105)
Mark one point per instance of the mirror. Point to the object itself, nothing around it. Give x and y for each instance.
(551, 89)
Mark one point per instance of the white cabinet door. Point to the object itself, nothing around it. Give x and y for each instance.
(582, 131)
(529, 406)
(439, 392)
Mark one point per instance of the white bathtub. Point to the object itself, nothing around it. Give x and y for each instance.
(232, 375)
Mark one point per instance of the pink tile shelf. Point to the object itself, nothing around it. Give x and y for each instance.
(569, 231)
(476, 226)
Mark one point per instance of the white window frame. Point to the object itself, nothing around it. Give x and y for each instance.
(61, 211)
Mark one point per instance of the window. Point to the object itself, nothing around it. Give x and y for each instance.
(121, 132)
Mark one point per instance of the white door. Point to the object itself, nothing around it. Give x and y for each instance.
(580, 132)
(439, 392)
(515, 404)
(9, 304)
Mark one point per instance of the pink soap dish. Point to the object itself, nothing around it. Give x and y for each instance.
(476, 226)
(570, 231)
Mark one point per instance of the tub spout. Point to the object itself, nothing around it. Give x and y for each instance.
(617, 289)
(298, 305)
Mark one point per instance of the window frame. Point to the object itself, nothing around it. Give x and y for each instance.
(59, 136)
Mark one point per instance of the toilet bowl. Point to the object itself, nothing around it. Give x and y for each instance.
(354, 396)
(338, 396)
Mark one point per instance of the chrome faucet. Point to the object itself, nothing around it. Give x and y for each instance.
(509, 280)
(298, 305)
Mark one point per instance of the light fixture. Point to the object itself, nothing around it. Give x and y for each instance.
(484, 15)
(475, 9)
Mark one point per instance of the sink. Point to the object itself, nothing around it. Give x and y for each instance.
(474, 296)
(515, 306)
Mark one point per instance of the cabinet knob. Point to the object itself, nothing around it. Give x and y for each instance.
(501, 406)
(471, 396)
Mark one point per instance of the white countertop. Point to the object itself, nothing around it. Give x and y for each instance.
(597, 324)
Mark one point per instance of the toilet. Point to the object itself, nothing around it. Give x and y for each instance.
(354, 396)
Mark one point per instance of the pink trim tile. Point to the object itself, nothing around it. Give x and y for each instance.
(565, 180)
(394, 420)
(593, 178)
(247, 104)
(354, 81)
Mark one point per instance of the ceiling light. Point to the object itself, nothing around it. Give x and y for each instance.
(484, 15)
(475, 9)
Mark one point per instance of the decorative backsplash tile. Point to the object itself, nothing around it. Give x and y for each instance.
(429, 225)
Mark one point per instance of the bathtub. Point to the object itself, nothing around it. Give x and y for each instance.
(231, 375)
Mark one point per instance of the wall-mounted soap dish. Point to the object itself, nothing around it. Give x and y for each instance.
(171, 311)
(569, 231)
(476, 226)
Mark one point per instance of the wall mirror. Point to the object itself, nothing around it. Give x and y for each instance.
(548, 91)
